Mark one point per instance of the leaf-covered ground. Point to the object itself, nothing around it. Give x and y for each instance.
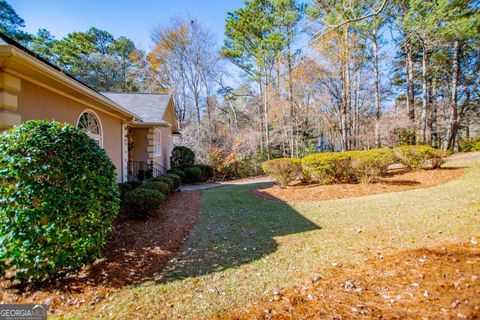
(244, 249)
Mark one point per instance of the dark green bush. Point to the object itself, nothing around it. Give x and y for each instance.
(284, 170)
(193, 174)
(177, 172)
(161, 186)
(414, 157)
(182, 157)
(207, 171)
(125, 187)
(169, 181)
(143, 202)
(175, 178)
(58, 196)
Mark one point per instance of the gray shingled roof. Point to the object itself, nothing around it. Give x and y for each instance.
(151, 107)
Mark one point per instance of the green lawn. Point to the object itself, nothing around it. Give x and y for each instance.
(243, 248)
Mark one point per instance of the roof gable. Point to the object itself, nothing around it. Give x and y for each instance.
(149, 106)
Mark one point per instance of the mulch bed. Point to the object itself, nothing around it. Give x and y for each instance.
(395, 181)
(428, 283)
(136, 252)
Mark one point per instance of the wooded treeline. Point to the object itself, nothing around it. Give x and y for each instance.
(320, 76)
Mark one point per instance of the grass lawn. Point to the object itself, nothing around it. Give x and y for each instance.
(244, 248)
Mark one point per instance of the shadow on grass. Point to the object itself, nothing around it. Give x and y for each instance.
(234, 228)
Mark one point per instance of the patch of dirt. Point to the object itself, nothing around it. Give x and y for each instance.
(136, 252)
(428, 283)
(394, 181)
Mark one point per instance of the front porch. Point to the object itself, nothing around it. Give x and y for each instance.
(144, 158)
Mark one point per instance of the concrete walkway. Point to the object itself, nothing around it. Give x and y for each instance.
(239, 182)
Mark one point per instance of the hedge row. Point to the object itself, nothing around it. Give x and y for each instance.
(142, 200)
(351, 166)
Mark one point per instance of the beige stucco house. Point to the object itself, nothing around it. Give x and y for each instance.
(136, 130)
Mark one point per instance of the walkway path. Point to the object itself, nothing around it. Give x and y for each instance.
(210, 185)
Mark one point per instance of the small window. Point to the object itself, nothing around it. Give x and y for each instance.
(158, 143)
(89, 123)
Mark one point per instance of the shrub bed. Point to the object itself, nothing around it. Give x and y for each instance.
(143, 202)
(351, 166)
(284, 170)
(59, 197)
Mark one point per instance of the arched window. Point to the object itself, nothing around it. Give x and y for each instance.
(90, 124)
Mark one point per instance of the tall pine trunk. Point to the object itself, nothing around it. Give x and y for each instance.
(452, 139)
(377, 93)
(346, 93)
(410, 92)
(424, 97)
(433, 113)
(265, 117)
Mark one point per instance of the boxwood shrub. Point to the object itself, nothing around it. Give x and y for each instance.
(177, 172)
(193, 174)
(58, 196)
(161, 186)
(284, 170)
(167, 180)
(177, 181)
(143, 202)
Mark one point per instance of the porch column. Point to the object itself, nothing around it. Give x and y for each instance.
(151, 145)
(10, 87)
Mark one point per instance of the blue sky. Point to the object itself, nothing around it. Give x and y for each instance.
(133, 19)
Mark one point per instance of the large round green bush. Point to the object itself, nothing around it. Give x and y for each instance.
(143, 202)
(193, 174)
(58, 198)
(182, 157)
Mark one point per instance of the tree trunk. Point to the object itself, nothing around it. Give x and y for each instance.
(410, 92)
(433, 114)
(346, 93)
(265, 116)
(452, 139)
(292, 105)
(424, 97)
(377, 93)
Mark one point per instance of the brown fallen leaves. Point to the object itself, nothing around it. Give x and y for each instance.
(427, 283)
(136, 252)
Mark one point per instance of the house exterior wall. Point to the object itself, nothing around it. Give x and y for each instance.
(139, 151)
(38, 103)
